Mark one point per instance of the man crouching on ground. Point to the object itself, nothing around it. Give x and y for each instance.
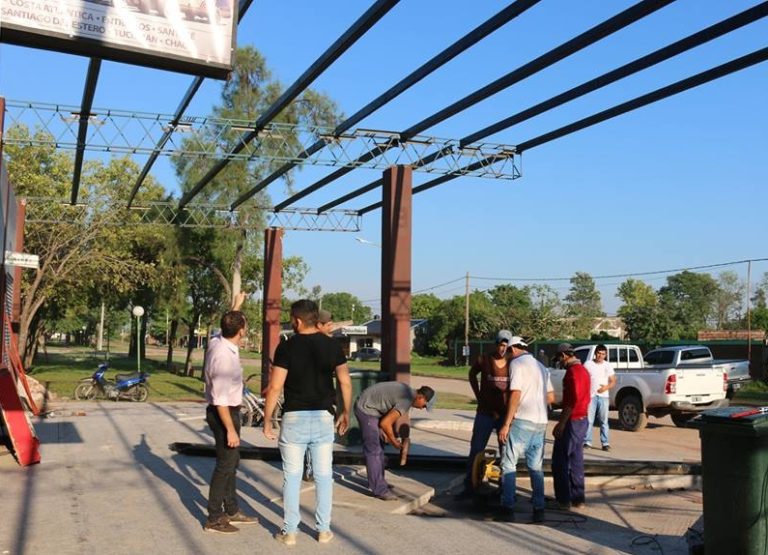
(377, 409)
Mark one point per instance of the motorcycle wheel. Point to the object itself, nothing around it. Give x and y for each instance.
(85, 392)
(140, 392)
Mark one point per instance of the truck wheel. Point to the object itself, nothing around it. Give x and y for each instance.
(631, 414)
(680, 419)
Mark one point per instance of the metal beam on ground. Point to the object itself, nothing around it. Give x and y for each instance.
(89, 91)
(183, 105)
(468, 40)
(585, 39)
(342, 44)
(683, 85)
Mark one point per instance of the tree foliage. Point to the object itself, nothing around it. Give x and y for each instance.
(345, 306)
(687, 300)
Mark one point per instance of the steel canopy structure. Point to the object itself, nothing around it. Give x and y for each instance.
(349, 147)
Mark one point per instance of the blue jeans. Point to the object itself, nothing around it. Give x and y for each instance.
(568, 462)
(599, 406)
(484, 425)
(300, 430)
(525, 438)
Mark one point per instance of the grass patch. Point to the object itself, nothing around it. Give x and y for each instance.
(431, 367)
(755, 392)
(62, 371)
(455, 401)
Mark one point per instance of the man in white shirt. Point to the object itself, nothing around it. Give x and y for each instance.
(524, 428)
(603, 378)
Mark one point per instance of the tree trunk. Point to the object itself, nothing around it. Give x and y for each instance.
(171, 341)
(188, 369)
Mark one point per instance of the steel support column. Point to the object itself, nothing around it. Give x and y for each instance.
(396, 273)
(273, 291)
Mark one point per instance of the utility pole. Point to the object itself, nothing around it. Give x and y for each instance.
(749, 312)
(101, 329)
(466, 323)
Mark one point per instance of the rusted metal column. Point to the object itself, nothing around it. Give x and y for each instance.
(396, 273)
(4, 212)
(273, 292)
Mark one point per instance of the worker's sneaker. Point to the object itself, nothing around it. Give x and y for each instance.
(220, 525)
(325, 537)
(286, 538)
(241, 518)
(587, 446)
(388, 496)
(558, 506)
(538, 516)
(606, 447)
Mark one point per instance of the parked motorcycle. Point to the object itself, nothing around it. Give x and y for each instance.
(124, 386)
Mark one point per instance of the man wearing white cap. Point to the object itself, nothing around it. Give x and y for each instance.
(524, 428)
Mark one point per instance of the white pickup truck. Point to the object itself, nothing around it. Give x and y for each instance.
(688, 355)
(656, 390)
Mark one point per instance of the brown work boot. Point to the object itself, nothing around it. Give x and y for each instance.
(220, 525)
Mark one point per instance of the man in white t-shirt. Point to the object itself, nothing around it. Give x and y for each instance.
(524, 428)
(603, 378)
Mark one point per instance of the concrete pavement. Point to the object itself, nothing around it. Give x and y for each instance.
(109, 483)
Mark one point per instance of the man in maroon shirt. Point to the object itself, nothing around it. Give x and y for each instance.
(491, 392)
(568, 451)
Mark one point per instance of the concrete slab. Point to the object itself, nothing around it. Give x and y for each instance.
(109, 483)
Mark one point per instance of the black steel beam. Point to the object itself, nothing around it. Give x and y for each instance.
(342, 44)
(183, 105)
(89, 91)
(455, 463)
(659, 94)
(587, 38)
(692, 41)
(468, 40)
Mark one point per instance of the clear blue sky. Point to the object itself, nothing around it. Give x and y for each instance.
(680, 183)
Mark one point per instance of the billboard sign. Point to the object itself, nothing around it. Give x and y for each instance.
(192, 36)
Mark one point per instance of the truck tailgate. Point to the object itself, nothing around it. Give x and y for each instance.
(699, 384)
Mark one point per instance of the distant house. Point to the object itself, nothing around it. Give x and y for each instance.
(368, 334)
(612, 325)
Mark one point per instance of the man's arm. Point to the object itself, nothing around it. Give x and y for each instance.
(233, 440)
(610, 385)
(514, 402)
(275, 386)
(387, 425)
(474, 370)
(238, 300)
(345, 384)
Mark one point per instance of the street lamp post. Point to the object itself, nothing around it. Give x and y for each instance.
(138, 311)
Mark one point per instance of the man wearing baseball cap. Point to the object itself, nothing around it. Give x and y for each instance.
(524, 428)
(568, 451)
(491, 392)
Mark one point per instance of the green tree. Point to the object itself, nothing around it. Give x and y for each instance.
(92, 253)
(424, 305)
(687, 301)
(583, 304)
(545, 320)
(728, 300)
(345, 306)
(643, 317)
(512, 305)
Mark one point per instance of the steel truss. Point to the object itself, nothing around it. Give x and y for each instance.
(124, 132)
(58, 211)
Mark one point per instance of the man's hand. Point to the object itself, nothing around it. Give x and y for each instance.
(233, 441)
(268, 433)
(503, 434)
(238, 300)
(558, 430)
(342, 424)
(601, 389)
(397, 444)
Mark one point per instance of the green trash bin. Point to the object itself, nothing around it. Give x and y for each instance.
(734, 456)
(361, 379)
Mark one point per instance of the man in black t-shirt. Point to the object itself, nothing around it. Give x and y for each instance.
(303, 367)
